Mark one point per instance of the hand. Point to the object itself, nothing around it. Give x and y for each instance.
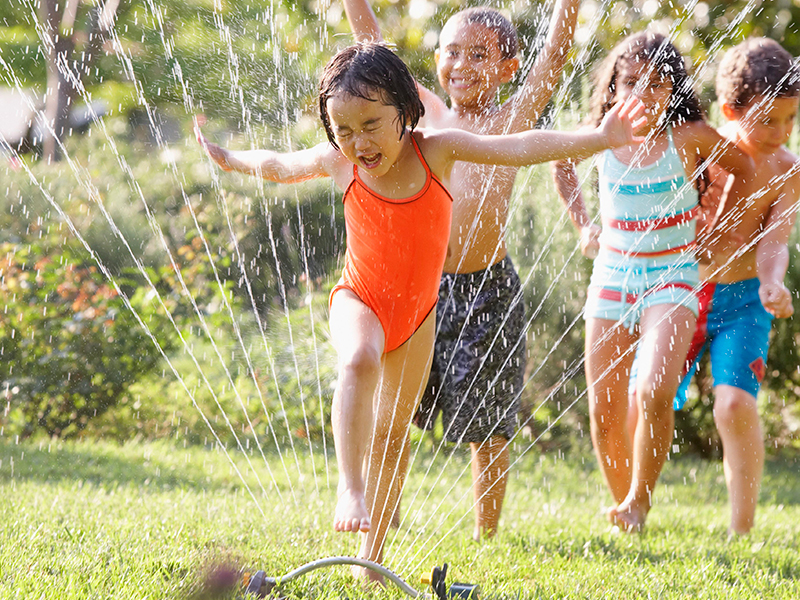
(217, 153)
(776, 298)
(590, 242)
(622, 121)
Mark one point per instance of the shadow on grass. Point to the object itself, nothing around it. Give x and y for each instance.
(781, 485)
(157, 466)
(704, 478)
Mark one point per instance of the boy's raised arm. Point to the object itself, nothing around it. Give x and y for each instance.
(366, 28)
(363, 21)
(525, 107)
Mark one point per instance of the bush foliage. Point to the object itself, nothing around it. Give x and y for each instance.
(70, 344)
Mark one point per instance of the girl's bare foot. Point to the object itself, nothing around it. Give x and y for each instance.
(351, 512)
(630, 519)
(368, 577)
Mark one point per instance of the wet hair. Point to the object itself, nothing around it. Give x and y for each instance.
(651, 50)
(756, 67)
(655, 51)
(493, 20)
(373, 72)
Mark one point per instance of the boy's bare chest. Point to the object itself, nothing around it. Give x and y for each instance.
(474, 186)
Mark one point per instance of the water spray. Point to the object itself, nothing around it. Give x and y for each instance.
(259, 585)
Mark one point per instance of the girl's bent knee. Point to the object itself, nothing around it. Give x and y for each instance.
(363, 361)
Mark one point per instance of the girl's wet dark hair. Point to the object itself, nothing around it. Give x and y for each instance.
(373, 72)
(652, 50)
(655, 51)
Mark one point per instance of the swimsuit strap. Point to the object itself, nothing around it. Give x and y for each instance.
(424, 162)
(429, 178)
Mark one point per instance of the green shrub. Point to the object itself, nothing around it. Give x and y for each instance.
(70, 345)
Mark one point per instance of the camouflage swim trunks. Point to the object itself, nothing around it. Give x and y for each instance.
(479, 358)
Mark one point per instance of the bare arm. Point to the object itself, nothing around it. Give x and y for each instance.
(289, 167)
(568, 188)
(363, 21)
(524, 108)
(538, 146)
(569, 191)
(772, 252)
(366, 28)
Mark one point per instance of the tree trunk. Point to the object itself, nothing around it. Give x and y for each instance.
(61, 76)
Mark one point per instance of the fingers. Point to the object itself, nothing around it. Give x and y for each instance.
(591, 251)
(199, 120)
(777, 301)
(590, 244)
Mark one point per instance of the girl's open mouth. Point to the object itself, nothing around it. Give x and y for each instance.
(370, 161)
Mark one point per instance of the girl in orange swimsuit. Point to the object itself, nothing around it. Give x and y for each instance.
(397, 216)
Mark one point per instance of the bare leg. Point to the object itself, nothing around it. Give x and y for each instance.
(609, 356)
(736, 416)
(666, 334)
(404, 375)
(490, 462)
(401, 478)
(358, 337)
(633, 415)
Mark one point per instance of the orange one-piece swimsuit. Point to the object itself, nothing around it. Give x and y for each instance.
(395, 252)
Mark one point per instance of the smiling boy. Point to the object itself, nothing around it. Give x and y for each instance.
(479, 360)
(758, 89)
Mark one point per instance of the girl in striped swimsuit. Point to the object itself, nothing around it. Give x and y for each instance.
(642, 289)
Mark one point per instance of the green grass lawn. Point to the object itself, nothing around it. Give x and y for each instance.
(95, 520)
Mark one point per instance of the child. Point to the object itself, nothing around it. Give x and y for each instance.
(397, 216)
(642, 285)
(758, 88)
(478, 365)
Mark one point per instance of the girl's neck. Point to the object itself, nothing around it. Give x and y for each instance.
(404, 178)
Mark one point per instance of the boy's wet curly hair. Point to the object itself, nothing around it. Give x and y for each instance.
(655, 50)
(370, 70)
(494, 20)
(754, 68)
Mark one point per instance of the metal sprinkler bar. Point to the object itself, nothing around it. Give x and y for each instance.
(262, 586)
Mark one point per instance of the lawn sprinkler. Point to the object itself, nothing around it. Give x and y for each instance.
(259, 585)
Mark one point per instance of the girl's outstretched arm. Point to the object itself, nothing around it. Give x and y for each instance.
(538, 146)
(717, 149)
(720, 237)
(323, 160)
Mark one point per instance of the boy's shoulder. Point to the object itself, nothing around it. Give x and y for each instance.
(488, 122)
(787, 160)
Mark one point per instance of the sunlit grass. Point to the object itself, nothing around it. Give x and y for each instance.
(96, 520)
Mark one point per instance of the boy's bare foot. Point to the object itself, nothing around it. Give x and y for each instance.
(368, 577)
(351, 512)
(628, 519)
